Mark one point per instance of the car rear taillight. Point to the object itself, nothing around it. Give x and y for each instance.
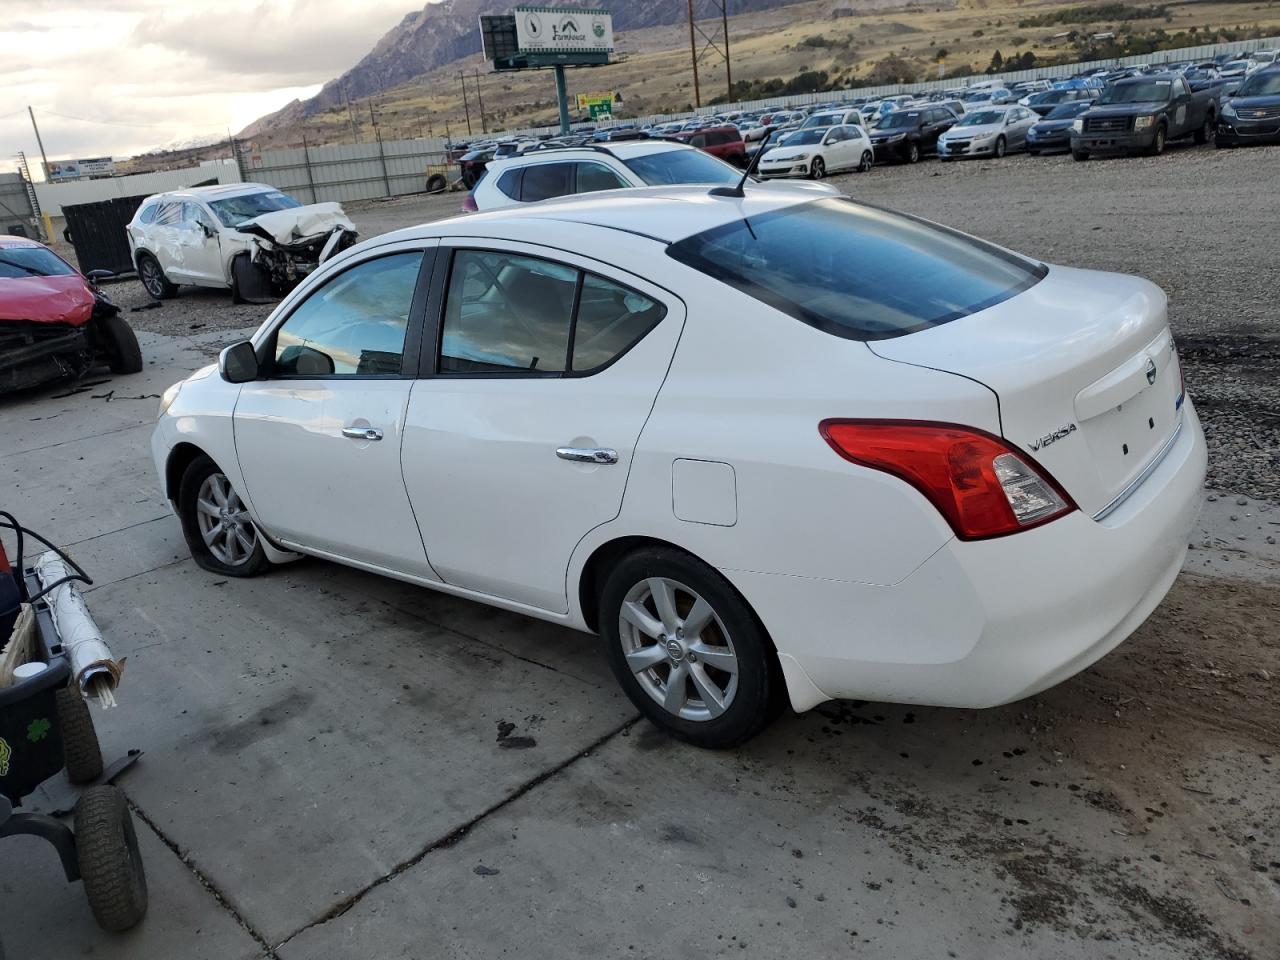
(469, 204)
(980, 484)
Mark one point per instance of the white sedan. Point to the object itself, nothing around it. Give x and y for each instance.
(817, 151)
(680, 418)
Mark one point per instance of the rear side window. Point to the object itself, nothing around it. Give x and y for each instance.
(856, 271)
(546, 180)
(509, 183)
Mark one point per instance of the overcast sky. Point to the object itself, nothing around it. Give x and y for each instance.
(152, 72)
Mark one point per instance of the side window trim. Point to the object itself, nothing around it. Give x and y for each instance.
(413, 336)
(432, 328)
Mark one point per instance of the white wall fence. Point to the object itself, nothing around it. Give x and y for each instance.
(356, 171)
(54, 196)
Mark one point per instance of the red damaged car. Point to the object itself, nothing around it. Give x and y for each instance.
(54, 323)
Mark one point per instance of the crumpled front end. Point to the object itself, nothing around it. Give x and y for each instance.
(286, 246)
(36, 352)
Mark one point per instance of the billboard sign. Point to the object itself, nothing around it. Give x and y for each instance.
(563, 30)
(585, 100)
(74, 169)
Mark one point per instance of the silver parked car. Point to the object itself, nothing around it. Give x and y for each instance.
(988, 132)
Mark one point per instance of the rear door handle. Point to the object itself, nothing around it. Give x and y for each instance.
(601, 455)
(362, 433)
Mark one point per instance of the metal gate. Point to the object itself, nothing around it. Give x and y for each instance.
(16, 215)
(97, 231)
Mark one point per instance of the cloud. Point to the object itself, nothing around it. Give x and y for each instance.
(23, 26)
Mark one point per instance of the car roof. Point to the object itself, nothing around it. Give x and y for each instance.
(663, 214)
(620, 149)
(220, 191)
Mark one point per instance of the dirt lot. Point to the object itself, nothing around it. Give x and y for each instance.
(339, 765)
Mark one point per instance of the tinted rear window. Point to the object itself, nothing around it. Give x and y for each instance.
(856, 271)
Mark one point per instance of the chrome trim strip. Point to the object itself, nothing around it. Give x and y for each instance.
(1149, 469)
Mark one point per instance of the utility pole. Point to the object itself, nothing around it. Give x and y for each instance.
(462, 78)
(351, 115)
(43, 158)
(728, 69)
(483, 126)
(693, 53)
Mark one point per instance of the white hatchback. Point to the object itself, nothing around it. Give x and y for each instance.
(677, 418)
(814, 152)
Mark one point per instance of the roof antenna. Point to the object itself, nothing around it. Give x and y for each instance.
(751, 168)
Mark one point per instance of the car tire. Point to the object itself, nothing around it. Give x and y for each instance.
(120, 345)
(115, 882)
(82, 755)
(1033, 153)
(730, 685)
(1001, 148)
(867, 162)
(1158, 141)
(1080, 155)
(913, 153)
(219, 532)
(1206, 132)
(436, 183)
(153, 279)
(818, 169)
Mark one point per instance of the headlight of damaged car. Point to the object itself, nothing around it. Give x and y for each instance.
(1143, 123)
(167, 398)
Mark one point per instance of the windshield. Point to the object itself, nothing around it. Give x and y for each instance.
(1052, 96)
(822, 120)
(976, 97)
(981, 118)
(236, 210)
(1144, 91)
(1261, 85)
(1067, 111)
(801, 137)
(16, 262)
(855, 271)
(900, 120)
(681, 166)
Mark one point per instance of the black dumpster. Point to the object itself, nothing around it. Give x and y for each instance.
(96, 230)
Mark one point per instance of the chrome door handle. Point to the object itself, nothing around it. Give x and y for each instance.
(362, 433)
(588, 454)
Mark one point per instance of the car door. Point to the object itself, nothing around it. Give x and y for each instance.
(1026, 120)
(1183, 110)
(520, 434)
(318, 436)
(199, 238)
(840, 150)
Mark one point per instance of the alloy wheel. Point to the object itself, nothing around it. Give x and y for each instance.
(819, 169)
(678, 649)
(867, 160)
(225, 525)
(151, 278)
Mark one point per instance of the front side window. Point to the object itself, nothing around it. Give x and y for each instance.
(517, 315)
(596, 176)
(169, 214)
(353, 325)
(856, 271)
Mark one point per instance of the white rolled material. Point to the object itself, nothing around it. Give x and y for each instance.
(92, 663)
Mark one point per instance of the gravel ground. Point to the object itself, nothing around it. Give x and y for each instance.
(1197, 221)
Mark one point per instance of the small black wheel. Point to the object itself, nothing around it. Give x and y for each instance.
(867, 162)
(83, 756)
(1207, 130)
(1001, 147)
(818, 169)
(1157, 142)
(121, 345)
(687, 649)
(115, 881)
(216, 524)
(913, 152)
(1080, 155)
(153, 279)
(436, 183)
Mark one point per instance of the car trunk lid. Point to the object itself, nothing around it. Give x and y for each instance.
(1085, 371)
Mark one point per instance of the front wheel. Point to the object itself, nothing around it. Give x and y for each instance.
(818, 169)
(867, 162)
(913, 153)
(1001, 147)
(687, 650)
(1157, 142)
(120, 345)
(216, 524)
(82, 755)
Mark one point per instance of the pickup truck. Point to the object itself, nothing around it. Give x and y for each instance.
(1141, 114)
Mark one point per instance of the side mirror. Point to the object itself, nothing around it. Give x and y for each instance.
(238, 363)
(97, 276)
(206, 229)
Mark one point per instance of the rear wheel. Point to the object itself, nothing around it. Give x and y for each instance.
(120, 345)
(153, 278)
(82, 755)
(1081, 155)
(818, 169)
(867, 162)
(1206, 133)
(1001, 147)
(115, 882)
(216, 524)
(687, 649)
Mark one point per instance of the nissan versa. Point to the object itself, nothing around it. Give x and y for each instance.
(770, 447)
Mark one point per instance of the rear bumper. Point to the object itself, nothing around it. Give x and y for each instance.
(984, 623)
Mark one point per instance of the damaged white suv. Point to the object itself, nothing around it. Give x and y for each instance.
(248, 237)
